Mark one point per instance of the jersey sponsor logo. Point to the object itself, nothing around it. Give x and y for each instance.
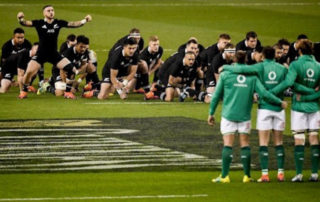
(272, 76)
(241, 79)
(310, 74)
(55, 26)
(44, 27)
(50, 31)
(122, 63)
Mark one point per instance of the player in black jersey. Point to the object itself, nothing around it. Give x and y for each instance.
(285, 45)
(252, 46)
(48, 31)
(293, 53)
(71, 41)
(118, 71)
(150, 61)
(208, 54)
(212, 74)
(316, 51)
(135, 34)
(183, 46)
(79, 57)
(13, 46)
(16, 64)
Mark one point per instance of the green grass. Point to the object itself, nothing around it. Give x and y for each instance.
(174, 25)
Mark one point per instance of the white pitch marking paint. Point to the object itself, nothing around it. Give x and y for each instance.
(108, 131)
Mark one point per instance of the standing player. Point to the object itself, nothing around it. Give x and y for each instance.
(13, 46)
(150, 61)
(48, 31)
(118, 71)
(237, 92)
(304, 114)
(16, 65)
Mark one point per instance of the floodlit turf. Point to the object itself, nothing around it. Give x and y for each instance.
(174, 22)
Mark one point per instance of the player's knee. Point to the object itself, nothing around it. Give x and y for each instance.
(68, 67)
(299, 137)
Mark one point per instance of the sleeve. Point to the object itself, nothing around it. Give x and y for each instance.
(5, 52)
(217, 95)
(22, 61)
(289, 81)
(35, 23)
(263, 93)
(62, 23)
(135, 59)
(160, 52)
(114, 64)
(248, 69)
(215, 64)
(312, 97)
(141, 44)
(174, 69)
(303, 89)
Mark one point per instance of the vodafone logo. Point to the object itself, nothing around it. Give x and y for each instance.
(241, 79)
(272, 75)
(310, 73)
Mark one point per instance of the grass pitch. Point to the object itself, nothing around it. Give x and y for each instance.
(174, 23)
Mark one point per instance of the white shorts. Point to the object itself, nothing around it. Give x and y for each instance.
(268, 119)
(304, 121)
(229, 127)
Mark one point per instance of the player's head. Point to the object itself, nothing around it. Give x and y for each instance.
(34, 48)
(278, 51)
(305, 47)
(18, 36)
(135, 33)
(251, 39)
(130, 45)
(224, 39)
(285, 45)
(229, 52)
(71, 39)
(241, 57)
(154, 44)
(302, 36)
(268, 52)
(189, 58)
(48, 12)
(82, 44)
(192, 45)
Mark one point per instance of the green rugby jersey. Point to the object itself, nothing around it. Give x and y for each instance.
(305, 71)
(270, 74)
(237, 91)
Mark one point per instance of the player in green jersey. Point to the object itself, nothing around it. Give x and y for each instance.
(304, 114)
(237, 92)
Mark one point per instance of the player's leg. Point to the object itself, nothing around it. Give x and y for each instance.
(32, 69)
(143, 69)
(245, 153)
(5, 85)
(314, 144)
(298, 126)
(104, 91)
(168, 95)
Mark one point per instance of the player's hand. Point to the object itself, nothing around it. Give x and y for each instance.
(317, 89)
(284, 104)
(298, 97)
(88, 18)
(118, 85)
(210, 120)
(20, 15)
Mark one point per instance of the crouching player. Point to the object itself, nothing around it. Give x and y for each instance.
(237, 91)
(118, 71)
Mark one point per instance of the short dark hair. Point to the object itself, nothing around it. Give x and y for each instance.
(129, 41)
(302, 36)
(192, 41)
(134, 30)
(251, 34)
(305, 46)
(71, 37)
(283, 41)
(268, 52)
(276, 46)
(224, 36)
(229, 45)
(82, 39)
(46, 6)
(241, 57)
(18, 31)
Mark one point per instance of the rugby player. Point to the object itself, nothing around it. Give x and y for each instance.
(237, 92)
(293, 53)
(48, 31)
(150, 61)
(118, 71)
(285, 45)
(16, 65)
(13, 46)
(212, 74)
(304, 114)
(183, 47)
(316, 51)
(252, 46)
(71, 41)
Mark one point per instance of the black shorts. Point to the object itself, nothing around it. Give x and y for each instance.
(56, 75)
(42, 56)
(8, 72)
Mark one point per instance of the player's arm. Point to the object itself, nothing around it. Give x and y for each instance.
(306, 98)
(156, 66)
(247, 69)
(264, 94)
(114, 80)
(133, 70)
(289, 81)
(22, 21)
(299, 88)
(80, 23)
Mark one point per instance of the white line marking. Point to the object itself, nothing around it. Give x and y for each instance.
(110, 131)
(138, 103)
(105, 197)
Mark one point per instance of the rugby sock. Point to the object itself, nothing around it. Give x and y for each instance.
(145, 82)
(280, 158)
(263, 155)
(246, 160)
(68, 89)
(198, 84)
(299, 158)
(314, 158)
(226, 160)
(41, 74)
(25, 87)
(94, 77)
(163, 96)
